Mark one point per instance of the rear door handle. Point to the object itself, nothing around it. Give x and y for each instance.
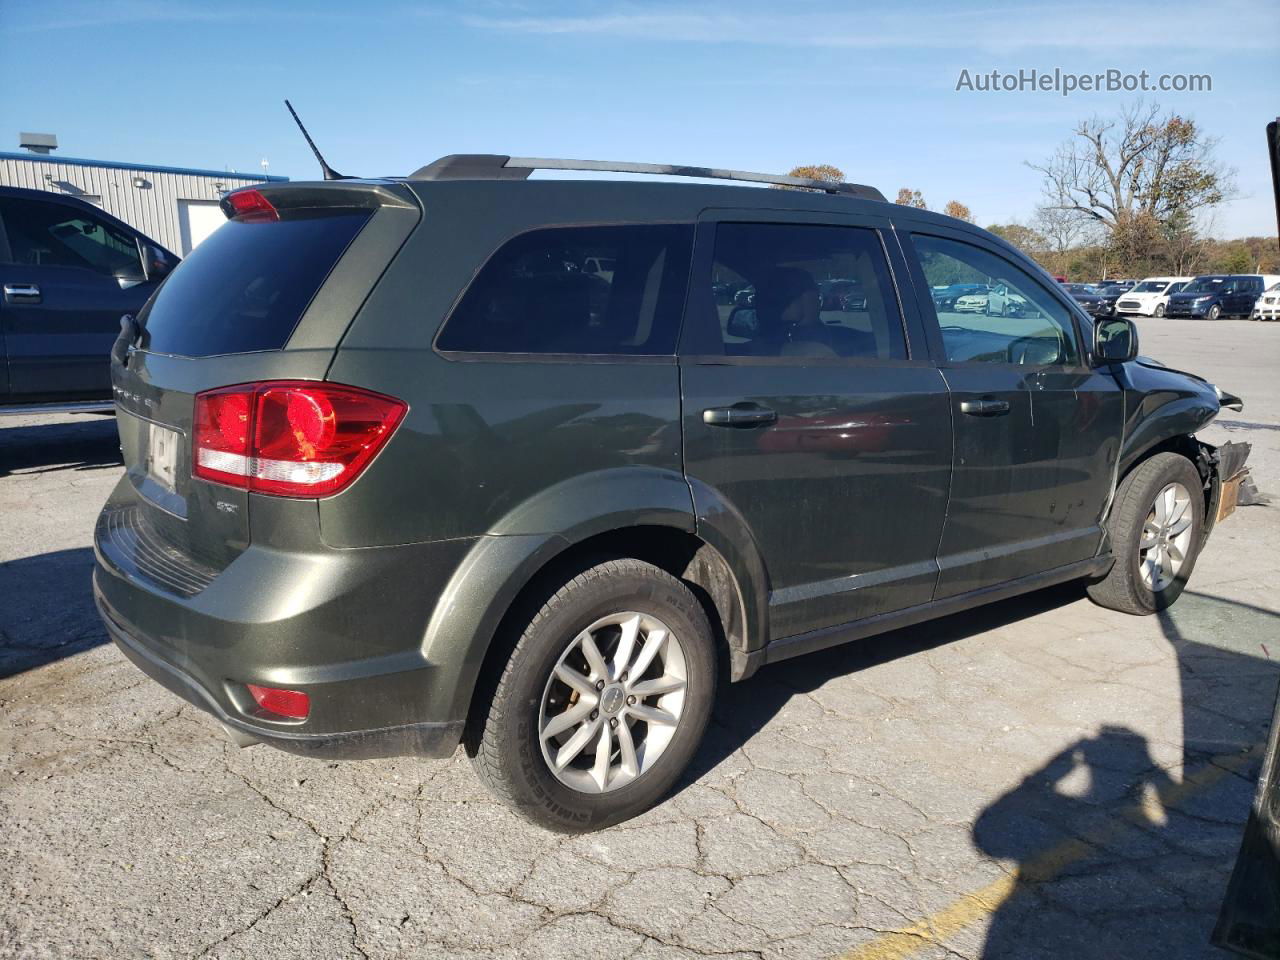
(738, 415)
(984, 407)
(21, 293)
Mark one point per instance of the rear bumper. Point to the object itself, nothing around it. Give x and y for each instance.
(425, 739)
(347, 627)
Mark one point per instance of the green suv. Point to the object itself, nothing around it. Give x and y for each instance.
(531, 466)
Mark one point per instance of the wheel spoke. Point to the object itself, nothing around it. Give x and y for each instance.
(1179, 508)
(1149, 536)
(1180, 526)
(604, 753)
(1175, 555)
(627, 746)
(626, 646)
(577, 681)
(652, 647)
(592, 653)
(569, 718)
(652, 715)
(1162, 509)
(575, 744)
(655, 688)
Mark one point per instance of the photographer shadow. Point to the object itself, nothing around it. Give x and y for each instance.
(1117, 856)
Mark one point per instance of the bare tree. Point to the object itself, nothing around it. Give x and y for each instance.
(1142, 164)
(1062, 229)
(911, 198)
(955, 208)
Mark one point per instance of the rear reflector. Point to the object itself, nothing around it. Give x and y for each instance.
(290, 438)
(250, 204)
(293, 704)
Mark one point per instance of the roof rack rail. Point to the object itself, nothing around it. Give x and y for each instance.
(484, 166)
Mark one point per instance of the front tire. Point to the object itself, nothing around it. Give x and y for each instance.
(1159, 310)
(603, 701)
(1156, 526)
(1214, 312)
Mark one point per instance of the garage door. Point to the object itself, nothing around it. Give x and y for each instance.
(196, 220)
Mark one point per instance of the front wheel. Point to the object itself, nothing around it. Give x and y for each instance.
(1159, 310)
(1156, 527)
(603, 702)
(1214, 312)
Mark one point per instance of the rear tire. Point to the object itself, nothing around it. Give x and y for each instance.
(585, 733)
(1156, 527)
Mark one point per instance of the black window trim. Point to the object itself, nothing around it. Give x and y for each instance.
(914, 228)
(482, 356)
(704, 251)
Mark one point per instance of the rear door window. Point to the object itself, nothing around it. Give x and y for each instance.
(244, 288)
(802, 290)
(615, 290)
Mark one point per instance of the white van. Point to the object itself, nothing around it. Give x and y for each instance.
(1149, 297)
(1267, 306)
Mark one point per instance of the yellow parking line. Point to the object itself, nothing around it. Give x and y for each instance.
(973, 906)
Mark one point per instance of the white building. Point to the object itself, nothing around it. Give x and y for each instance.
(175, 206)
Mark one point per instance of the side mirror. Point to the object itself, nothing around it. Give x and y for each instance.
(156, 263)
(743, 323)
(1115, 340)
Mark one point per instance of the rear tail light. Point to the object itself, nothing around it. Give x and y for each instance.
(290, 438)
(293, 704)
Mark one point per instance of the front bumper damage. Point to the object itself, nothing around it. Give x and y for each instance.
(1228, 482)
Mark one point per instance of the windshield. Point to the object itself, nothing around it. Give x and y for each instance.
(1204, 285)
(1114, 290)
(1075, 288)
(1151, 286)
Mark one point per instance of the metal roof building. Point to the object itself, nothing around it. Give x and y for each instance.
(176, 206)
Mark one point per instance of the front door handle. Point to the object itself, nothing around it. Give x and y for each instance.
(738, 415)
(984, 407)
(21, 293)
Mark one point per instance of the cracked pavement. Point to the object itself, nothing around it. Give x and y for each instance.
(1039, 778)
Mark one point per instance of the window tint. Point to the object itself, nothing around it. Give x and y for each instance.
(579, 290)
(57, 235)
(992, 311)
(795, 290)
(247, 285)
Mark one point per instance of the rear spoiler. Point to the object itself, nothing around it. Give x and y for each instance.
(342, 194)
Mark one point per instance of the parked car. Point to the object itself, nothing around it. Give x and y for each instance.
(392, 484)
(1267, 306)
(1150, 297)
(946, 295)
(842, 295)
(1109, 295)
(69, 271)
(1218, 295)
(1087, 295)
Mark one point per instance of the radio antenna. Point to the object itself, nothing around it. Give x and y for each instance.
(329, 172)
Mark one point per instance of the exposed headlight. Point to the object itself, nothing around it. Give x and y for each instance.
(1203, 299)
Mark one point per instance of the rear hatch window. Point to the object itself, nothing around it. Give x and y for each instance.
(245, 287)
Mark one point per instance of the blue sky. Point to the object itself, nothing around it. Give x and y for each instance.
(386, 87)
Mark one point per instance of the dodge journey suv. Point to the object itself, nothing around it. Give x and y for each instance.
(407, 467)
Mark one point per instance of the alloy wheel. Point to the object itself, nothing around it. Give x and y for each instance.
(1166, 537)
(613, 702)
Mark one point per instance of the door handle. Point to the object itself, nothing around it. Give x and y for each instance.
(738, 415)
(984, 407)
(21, 293)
